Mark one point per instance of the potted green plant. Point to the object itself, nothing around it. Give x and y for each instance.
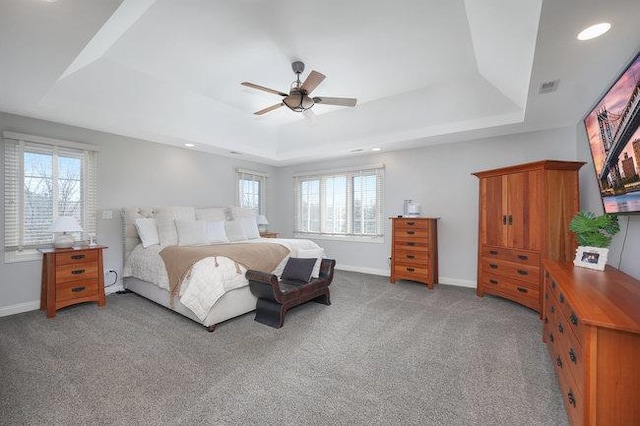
(594, 234)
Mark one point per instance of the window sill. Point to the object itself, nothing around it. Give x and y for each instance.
(22, 256)
(345, 238)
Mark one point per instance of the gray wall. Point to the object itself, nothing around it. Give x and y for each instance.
(131, 172)
(135, 172)
(439, 178)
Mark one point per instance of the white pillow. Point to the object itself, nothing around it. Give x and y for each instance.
(234, 231)
(166, 217)
(147, 231)
(216, 232)
(250, 227)
(192, 232)
(313, 253)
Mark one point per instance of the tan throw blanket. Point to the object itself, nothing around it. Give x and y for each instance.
(257, 256)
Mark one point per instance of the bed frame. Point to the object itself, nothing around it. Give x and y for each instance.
(232, 304)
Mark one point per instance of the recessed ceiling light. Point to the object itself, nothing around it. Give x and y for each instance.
(235, 153)
(376, 149)
(189, 145)
(594, 31)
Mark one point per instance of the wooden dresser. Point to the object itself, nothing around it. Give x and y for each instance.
(71, 276)
(591, 326)
(414, 250)
(524, 217)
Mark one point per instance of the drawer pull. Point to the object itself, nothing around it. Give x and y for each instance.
(410, 223)
(523, 257)
(522, 272)
(561, 298)
(510, 220)
(493, 266)
(560, 327)
(551, 338)
(77, 256)
(559, 362)
(504, 219)
(78, 289)
(411, 232)
(553, 285)
(571, 398)
(546, 320)
(553, 309)
(522, 290)
(77, 272)
(492, 281)
(411, 244)
(493, 252)
(573, 318)
(410, 256)
(572, 356)
(410, 270)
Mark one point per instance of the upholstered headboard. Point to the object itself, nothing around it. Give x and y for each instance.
(130, 238)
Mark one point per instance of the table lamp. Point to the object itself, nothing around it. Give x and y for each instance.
(61, 227)
(262, 222)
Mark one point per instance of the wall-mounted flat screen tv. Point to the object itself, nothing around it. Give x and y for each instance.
(613, 129)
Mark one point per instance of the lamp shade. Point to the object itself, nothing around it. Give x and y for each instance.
(61, 226)
(262, 220)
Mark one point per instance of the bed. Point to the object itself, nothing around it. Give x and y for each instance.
(214, 289)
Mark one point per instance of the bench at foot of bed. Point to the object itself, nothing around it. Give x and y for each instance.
(276, 297)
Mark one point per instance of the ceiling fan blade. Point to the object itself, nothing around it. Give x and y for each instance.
(313, 79)
(335, 101)
(266, 110)
(264, 89)
(310, 117)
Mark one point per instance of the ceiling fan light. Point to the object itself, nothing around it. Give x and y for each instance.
(298, 102)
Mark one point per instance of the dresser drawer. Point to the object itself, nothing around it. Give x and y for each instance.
(76, 290)
(68, 257)
(418, 273)
(521, 272)
(511, 255)
(410, 244)
(409, 234)
(406, 223)
(409, 256)
(76, 272)
(522, 292)
(571, 319)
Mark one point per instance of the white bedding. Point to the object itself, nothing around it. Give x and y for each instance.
(206, 283)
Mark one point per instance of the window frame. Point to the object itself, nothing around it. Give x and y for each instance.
(252, 175)
(323, 189)
(15, 145)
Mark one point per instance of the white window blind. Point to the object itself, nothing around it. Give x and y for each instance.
(252, 190)
(340, 202)
(46, 178)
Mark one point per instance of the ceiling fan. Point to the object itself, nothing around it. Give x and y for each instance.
(298, 98)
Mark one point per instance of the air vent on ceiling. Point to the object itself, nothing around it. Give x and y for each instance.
(548, 87)
(357, 150)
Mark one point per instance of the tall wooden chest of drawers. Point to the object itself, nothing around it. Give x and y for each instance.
(591, 325)
(524, 217)
(71, 276)
(414, 250)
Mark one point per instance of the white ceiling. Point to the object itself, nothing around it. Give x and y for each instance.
(424, 71)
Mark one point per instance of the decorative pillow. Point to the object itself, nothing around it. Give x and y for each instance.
(216, 232)
(250, 227)
(213, 213)
(234, 231)
(298, 269)
(166, 217)
(192, 232)
(147, 231)
(238, 212)
(317, 254)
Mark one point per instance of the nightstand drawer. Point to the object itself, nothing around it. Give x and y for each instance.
(76, 257)
(76, 272)
(77, 290)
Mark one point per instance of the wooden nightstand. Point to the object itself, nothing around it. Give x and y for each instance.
(71, 276)
(269, 234)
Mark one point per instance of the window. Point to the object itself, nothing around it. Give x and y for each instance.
(340, 203)
(45, 178)
(252, 190)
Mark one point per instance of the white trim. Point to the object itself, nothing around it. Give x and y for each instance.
(457, 282)
(29, 255)
(19, 308)
(385, 273)
(340, 170)
(49, 141)
(252, 172)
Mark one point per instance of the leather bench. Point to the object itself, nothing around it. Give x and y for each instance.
(276, 297)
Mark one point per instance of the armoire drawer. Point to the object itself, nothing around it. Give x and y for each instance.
(522, 292)
(511, 255)
(517, 271)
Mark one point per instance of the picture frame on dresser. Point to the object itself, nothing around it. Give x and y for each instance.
(591, 257)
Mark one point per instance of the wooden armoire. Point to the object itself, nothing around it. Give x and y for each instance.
(524, 217)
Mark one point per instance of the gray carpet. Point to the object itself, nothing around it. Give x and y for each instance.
(380, 354)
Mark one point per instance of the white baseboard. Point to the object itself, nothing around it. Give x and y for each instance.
(385, 273)
(19, 308)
